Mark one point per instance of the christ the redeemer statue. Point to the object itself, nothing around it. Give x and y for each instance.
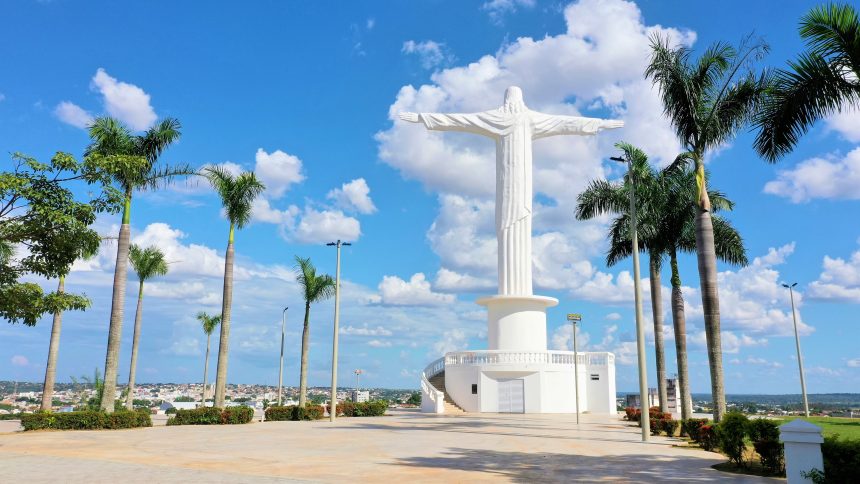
(513, 126)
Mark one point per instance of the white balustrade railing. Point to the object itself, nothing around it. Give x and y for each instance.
(502, 357)
(433, 400)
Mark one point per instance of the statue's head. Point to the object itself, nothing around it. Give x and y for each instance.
(514, 99)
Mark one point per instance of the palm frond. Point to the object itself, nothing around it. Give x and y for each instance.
(728, 243)
(148, 262)
(832, 30)
(209, 323)
(669, 69)
(237, 192)
(599, 198)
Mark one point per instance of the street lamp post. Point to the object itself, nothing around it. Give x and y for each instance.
(644, 403)
(797, 343)
(574, 318)
(333, 407)
(281, 370)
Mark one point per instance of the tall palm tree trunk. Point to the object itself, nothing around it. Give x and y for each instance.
(206, 369)
(53, 351)
(707, 259)
(657, 313)
(679, 321)
(226, 304)
(116, 310)
(138, 315)
(303, 378)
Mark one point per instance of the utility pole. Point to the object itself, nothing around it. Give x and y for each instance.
(797, 343)
(281, 370)
(644, 402)
(333, 407)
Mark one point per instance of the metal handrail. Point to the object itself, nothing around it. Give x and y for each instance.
(502, 357)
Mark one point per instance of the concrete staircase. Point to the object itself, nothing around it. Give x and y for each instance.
(438, 382)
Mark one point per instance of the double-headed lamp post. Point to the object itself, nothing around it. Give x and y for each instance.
(281, 370)
(797, 342)
(644, 403)
(333, 407)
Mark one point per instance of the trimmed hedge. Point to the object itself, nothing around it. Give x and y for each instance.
(294, 412)
(375, 408)
(213, 416)
(87, 420)
(841, 459)
(691, 427)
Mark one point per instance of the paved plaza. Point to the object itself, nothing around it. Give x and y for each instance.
(406, 446)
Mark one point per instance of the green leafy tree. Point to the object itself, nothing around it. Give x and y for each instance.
(315, 288)
(209, 324)
(147, 263)
(38, 212)
(237, 194)
(707, 102)
(821, 81)
(135, 158)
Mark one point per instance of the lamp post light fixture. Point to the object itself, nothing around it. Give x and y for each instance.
(358, 373)
(333, 407)
(797, 343)
(644, 402)
(281, 369)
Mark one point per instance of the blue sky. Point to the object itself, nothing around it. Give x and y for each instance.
(305, 93)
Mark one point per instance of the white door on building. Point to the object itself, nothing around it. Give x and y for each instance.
(511, 396)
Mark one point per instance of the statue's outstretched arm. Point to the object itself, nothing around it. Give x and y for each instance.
(469, 122)
(553, 125)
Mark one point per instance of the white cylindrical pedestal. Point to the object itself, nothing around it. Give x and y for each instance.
(517, 322)
(802, 441)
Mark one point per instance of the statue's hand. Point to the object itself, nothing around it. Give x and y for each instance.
(409, 117)
(612, 124)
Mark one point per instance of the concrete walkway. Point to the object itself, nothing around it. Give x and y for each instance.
(404, 446)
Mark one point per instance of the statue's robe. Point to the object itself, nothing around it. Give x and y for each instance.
(513, 131)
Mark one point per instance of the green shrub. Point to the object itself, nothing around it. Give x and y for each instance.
(375, 408)
(308, 412)
(770, 454)
(237, 415)
(731, 432)
(212, 416)
(670, 426)
(707, 437)
(764, 435)
(654, 426)
(841, 459)
(276, 413)
(762, 429)
(692, 427)
(170, 411)
(86, 420)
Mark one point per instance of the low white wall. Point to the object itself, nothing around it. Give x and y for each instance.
(547, 387)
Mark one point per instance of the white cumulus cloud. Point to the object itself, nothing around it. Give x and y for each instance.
(354, 195)
(124, 101)
(430, 53)
(827, 177)
(414, 292)
(71, 113)
(278, 171)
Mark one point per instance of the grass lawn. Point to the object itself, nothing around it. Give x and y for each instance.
(845, 427)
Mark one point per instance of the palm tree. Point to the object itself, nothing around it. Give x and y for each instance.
(822, 81)
(110, 138)
(674, 231)
(56, 328)
(237, 194)
(707, 102)
(147, 263)
(209, 324)
(315, 288)
(601, 197)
